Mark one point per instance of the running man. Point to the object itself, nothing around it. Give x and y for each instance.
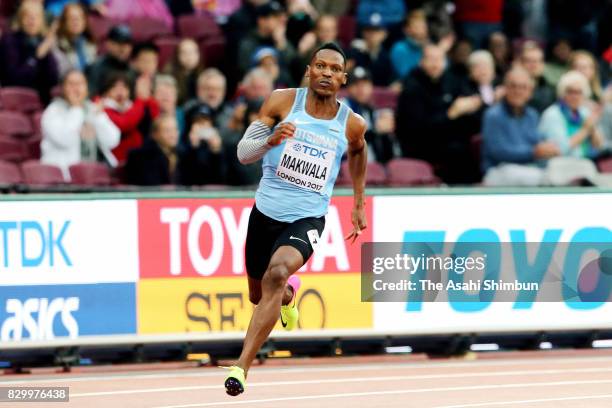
(301, 134)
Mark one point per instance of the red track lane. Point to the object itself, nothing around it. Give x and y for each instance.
(519, 379)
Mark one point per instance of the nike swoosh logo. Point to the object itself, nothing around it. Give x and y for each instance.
(282, 321)
(299, 239)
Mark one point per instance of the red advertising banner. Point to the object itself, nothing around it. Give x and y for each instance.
(206, 237)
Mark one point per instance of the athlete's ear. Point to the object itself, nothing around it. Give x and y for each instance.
(344, 78)
(307, 74)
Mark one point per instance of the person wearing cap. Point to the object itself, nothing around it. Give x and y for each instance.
(118, 52)
(371, 54)
(266, 58)
(380, 138)
(270, 31)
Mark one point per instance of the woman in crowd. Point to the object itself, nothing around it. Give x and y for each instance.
(584, 62)
(186, 66)
(25, 54)
(74, 48)
(569, 123)
(74, 129)
(481, 68)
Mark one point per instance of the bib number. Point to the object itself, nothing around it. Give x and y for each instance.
(304, 165)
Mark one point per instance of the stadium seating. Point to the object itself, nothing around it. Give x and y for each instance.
(167, 48)
(9, 174)
(346, 30)
(147, 29)
(198, 27)
(410, 172)
(12, 149)
(605, 165)
(90, 174)
(41, 175)
(383, 98)
(19, 99)
(15, 124)
(212, 50)
(375, 176)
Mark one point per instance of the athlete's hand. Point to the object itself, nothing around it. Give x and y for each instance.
(358, 218)
(283, 131)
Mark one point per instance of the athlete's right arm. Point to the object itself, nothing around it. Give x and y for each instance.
(258, 138)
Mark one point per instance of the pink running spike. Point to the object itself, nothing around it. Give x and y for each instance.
(295, 282)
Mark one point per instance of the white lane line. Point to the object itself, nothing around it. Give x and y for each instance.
(532, 401)
(308, 369)
(349, 380)
(392, 392)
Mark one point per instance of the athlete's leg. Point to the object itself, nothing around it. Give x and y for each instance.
(255, 292)
(285, 261)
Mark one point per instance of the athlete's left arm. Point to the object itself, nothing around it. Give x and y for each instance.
(357, 161)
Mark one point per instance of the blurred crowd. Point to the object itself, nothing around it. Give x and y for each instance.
(492, 92)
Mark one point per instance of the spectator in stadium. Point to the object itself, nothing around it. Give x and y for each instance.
(512, 149)
(605, 127)
(25, 54)
(186, 66)
(301, 18)
(158, 161)
(75, 48)
(239, 174)
(270, 31)
(569, 123)
(126, 10)
(242, 21)
(205, 161)
(57, 7)
(333, 7)
(256, 86)
(558, 62)
(380, 124)
(131, 117)
(371, 53)
(458, 59)
(145, 59)
(165, 93)
(325, 31)
(433, 123)
(500, 49)
(406, 53)
(118, 51)
(210, 91)
(532, 59)
(74, 129)
(477, 20)
(584, 62)
(392, 13)
(482, 77)
(266, 58)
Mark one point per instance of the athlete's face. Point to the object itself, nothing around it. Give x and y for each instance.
(326, 72)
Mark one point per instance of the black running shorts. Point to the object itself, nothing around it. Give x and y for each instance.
(265, 235)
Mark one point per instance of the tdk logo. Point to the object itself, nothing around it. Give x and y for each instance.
(30, 244)
(314, 152)
(297, 147)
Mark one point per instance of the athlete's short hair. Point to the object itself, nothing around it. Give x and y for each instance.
(329, 46)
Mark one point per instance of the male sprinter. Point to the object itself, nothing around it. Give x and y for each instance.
(301, 135)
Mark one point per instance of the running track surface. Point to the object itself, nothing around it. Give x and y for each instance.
(540, 379)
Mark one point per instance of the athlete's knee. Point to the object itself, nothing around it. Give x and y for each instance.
(277, 274)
